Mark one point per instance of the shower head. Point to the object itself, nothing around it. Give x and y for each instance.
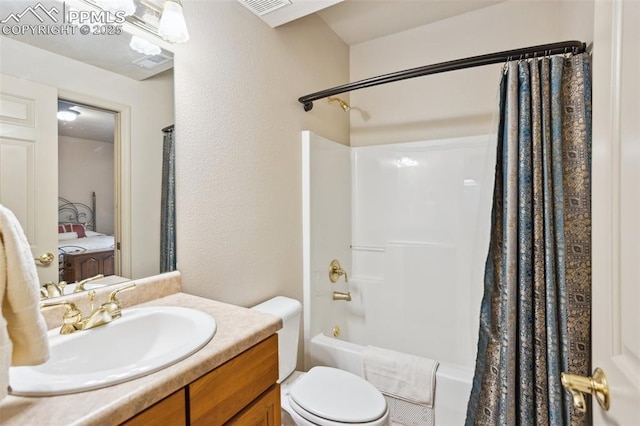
(345, 106)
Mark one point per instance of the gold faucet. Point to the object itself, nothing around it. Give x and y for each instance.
(338, 295)
(81, 284)
(108, 311)
(72, 318)
(51, 289)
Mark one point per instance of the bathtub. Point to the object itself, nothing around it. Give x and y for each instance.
(453, 383)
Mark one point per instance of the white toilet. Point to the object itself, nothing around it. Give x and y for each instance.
(323, 396)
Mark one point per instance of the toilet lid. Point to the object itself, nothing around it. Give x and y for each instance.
(338, 395)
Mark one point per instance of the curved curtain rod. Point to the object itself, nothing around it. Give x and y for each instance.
(168, 129)
(573, 46)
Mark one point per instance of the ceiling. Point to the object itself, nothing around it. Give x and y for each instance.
(354, 21)
(357, 21)
(91, 123)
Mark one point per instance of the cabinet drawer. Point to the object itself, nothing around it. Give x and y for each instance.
(216, 397)
(169, 411)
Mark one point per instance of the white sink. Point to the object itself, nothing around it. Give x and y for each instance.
(142, 341)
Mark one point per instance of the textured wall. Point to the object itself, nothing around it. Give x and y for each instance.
(238, 147)
(457, 103)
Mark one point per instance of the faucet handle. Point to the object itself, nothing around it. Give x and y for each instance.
(112, 305)
(335, 271)
(51, 289)
(81, 284)
(114, 293)
(71, 317)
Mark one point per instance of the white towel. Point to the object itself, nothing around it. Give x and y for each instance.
(407, 377)
(23, 331)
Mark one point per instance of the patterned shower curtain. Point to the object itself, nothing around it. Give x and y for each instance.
(536, 311)
(168, 204)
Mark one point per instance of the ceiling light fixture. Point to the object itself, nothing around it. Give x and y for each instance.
(172, 27)
(112, 6)
(67, 115)
(143, 46)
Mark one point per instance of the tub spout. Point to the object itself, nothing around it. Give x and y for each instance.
(337, 295)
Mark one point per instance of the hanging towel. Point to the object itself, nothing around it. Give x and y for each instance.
(407, 377)
(23, 332)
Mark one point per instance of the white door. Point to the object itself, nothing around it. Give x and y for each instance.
(29, 164)
(616, 208)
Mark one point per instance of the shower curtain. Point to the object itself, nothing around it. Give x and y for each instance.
(536, 310)
(168, 204)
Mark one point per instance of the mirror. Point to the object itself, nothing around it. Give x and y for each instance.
(104, 72)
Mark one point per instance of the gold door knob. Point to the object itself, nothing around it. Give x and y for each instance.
(45, 259)
(595, 385)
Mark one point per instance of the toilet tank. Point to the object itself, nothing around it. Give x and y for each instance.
(289, 310)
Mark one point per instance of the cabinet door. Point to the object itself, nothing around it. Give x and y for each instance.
(219, 395)
(264, 411)
(169, 411)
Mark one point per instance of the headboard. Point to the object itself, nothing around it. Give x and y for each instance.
(70, 212)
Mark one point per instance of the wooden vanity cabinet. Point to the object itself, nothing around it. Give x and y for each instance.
(242, 391)
(218, 396)
(264, 411)
(169, 411)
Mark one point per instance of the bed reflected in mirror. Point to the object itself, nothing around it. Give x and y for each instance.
(86, 256)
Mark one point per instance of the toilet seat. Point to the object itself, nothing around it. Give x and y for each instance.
(302, 417)
(329, 396)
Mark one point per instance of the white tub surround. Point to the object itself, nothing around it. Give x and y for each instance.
(410, 226)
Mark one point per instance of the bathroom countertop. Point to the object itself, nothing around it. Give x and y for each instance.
(237, 330)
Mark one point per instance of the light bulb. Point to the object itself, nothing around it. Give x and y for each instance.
(172, 27)
(67, 115)
(144, 46)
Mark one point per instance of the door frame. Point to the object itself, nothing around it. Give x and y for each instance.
(122, 174)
